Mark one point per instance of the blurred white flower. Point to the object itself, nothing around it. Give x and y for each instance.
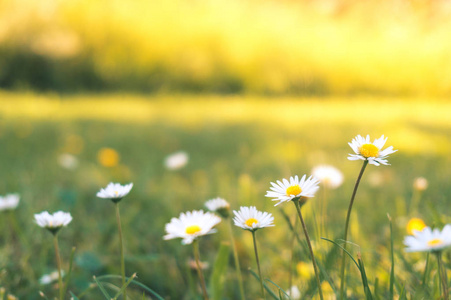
(365, 150)
(115, 191)
(285, 190)
(328, 175)
(49, 278)
(428, 239)
(68, 161)
(251, 219)
(176, 160)
(9, 202)
(420, 184)
(53, 222)
(294, 293)
(218, 205)
(191, 225)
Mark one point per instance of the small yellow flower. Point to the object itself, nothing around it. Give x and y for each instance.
(108, 157)
(305, 270)
(415, 224)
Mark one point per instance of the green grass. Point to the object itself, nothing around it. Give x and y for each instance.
(236, 146)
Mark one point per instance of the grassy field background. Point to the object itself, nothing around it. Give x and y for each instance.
(236, 146)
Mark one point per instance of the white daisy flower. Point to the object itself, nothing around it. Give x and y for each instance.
(49, 278)
(294, 293)
(191, 225)
(284, 191)
(115, 191)
(328, 175)
(218, 205)
(53, 222)
(365, 150)
(428, 239)
(9, 202)
(250, 218)
(420, 184)
(68, 161)
(176, 161)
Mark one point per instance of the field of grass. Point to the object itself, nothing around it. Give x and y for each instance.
(236, 146)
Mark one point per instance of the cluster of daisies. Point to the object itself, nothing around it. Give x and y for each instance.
(191, 225)
(54, 222)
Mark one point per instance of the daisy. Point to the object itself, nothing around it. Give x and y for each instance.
(251, 219)
(53, 222)
(285, 190)
(218, 205)
(9, 202)
(191, 225)
(176, 161)
(115, 191)
(420, 184)
(429, 240)
(49, 278)
(328, 175)
(372, 152)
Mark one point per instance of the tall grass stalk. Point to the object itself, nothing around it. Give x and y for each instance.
(348, 215)
(307, 238)
(119, 227)
(236, 260)
(442, 276)
(199, 270)
(58, 263)
(258, 264)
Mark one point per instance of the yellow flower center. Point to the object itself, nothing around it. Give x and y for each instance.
(192, 229)
(435, 242)
(369, 150)
(250, 222)
(294, 190)
(415, 224)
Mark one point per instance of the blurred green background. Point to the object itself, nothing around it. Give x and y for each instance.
(252, 91)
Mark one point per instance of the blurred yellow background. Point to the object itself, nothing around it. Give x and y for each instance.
(272, 47)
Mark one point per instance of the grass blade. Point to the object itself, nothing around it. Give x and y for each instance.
(124, 286)
(270, 292)
(280, 289)
(73, 296)
(69, 272)
(102, 289)
(219, 269)
(143, 286)
(392, 272)
(366, 288)
(346, 251)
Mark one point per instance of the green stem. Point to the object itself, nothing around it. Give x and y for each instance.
(258, 264)
(199, 270)
(237, 262)
(58, 262)
(307, 238)
(119, 227)
(348, 215)
(442, 276)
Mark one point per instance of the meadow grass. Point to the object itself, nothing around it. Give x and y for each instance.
(236, 146)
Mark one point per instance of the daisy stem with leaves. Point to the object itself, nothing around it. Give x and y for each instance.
(199, 270)
(121, 245)
(237, 262)
(258, 265)
(348, 216)
(442, 275)
(58, 263)
(307, 238)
